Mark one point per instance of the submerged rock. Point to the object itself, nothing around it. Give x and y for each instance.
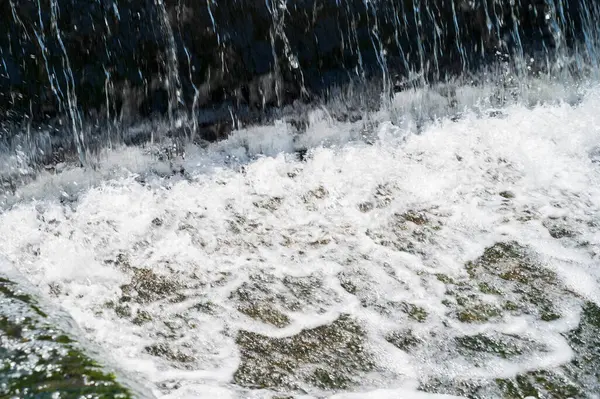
(147, 286)
(266, 314)
(37, 359)
(510, 274)
(539, 384)
(585, 342)
(267, 298)
(165, 351)
(511, 271)
(410, 231)
(405, 340)
(332, 356)
(502, 345)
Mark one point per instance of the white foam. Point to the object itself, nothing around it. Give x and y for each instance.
(453, 170)
(398, 393)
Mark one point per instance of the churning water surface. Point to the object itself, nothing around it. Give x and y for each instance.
(393, 259)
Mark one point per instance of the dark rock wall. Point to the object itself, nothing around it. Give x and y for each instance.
(132, 59)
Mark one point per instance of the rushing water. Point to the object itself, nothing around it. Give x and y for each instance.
(441, 239)
(195, 284)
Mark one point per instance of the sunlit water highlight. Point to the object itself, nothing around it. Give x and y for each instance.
(380, 230)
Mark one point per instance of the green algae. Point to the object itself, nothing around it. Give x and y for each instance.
(71, 374)
(9, 290)
(38, 360)
(328, 357)
(470, 308)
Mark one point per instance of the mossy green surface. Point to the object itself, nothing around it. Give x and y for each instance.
(511, 277)
(37, 360)
(510, 272)
(9, 290)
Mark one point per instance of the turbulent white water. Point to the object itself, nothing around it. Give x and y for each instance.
(391, 216)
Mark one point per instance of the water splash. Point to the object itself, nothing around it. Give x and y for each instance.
(220, 77)
(172, 81)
